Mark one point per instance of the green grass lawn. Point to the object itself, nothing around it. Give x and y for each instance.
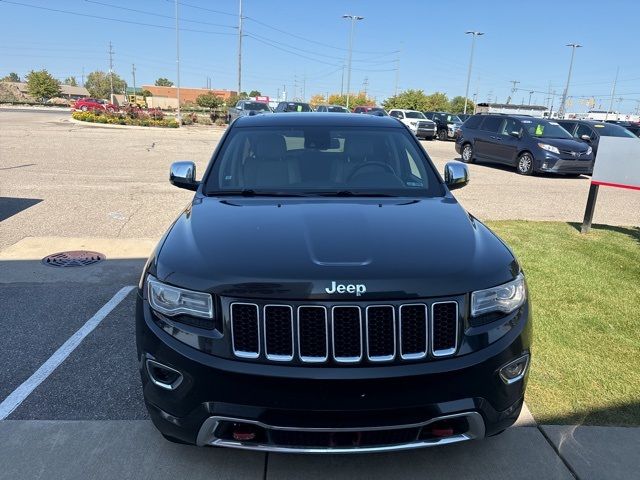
(585, 294)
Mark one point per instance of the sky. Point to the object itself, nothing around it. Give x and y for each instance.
(301, 45)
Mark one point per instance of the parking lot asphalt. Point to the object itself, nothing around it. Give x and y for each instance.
(108, 191)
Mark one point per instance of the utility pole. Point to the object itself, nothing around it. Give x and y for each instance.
(473, 44)
(353, 19)
(179, 116)
(563, 102)
(82, 77)
(548, 99)
(304, 87)
(240, 49)
(530, 93)
(365, 84)
(111, 69)
(133, 72)
(514, 88)
(342, 81)
(613, 94)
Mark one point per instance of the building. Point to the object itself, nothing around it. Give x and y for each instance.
(539, 111)
(187, 94)
(20, 92)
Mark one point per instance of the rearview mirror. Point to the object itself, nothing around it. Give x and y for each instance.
(183, 175)
(586, 138)
(456, 175)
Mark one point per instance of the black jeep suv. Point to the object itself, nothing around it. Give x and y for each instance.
(325, 292)
(529, 144)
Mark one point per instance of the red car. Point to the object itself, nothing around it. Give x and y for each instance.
(86, 104)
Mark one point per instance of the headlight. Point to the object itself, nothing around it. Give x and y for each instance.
(172, 300)
(549, 148)
(589, 150)
(503, 298)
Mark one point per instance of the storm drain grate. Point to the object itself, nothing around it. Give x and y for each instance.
(75, 258)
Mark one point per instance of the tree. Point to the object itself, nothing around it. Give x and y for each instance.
(437, 102)
(164, 82)
(409, 99)
(99, 84)
(209, 100)
(317, 99)
(255, 93)
(42, 85)
(146, 93)
(354, 100)
(71, 81)
(457, 105)
(12, 77)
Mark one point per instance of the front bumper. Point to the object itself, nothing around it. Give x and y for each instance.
(425, 132)
(553, 163)
(324, 409)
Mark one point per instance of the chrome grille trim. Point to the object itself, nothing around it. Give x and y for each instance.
(384, 358)
(333, 336)
(449, 351)
(416, 355)
(277, 358)
(308, 359)
(241, 353)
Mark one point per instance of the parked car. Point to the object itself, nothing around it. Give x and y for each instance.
(371, 110)
(293, 107)
(529, 144)
(447, 124)
(92, 104)
(325, 292)
(416, 121)
(633, 127)
(464, 116)
(332, 109)
(247, 107)
(590, 132)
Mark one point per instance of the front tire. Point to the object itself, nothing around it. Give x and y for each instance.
(467, 153)
(524, 166)
(442, 135)
(84, 108)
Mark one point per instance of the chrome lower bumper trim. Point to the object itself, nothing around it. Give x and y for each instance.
(206, 436)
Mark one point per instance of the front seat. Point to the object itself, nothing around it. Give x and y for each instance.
(269, 166)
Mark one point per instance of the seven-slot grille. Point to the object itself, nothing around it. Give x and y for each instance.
(344, 333)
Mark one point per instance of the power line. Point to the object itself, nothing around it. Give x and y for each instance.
(146, 12)
(131, 22)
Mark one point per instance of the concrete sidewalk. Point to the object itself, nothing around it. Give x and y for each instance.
(133, 449)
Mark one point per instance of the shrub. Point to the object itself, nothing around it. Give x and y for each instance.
(138, 119)
(220, 122)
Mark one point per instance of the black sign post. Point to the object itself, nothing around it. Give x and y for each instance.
(591, 206)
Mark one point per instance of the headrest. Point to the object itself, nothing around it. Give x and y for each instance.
(270, 145)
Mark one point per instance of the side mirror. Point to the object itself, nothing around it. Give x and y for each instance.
(586, 138)
(183, 175)
(515, 134)
(456, 175)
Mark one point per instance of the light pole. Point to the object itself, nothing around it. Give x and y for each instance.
(179, 116)
(473, 44)
(566, 87)
(353, 19)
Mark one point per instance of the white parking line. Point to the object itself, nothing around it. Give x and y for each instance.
(23, 391)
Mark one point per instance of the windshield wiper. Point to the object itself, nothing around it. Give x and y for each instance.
(248, 192)
(350, 193)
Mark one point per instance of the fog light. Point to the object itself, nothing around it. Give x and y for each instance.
(515, 370)
(545, 165)
(163, 376)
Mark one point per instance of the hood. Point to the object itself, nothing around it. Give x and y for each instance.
(295, 248)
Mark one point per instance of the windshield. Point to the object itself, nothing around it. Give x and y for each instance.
(321, 161)
(258, 106)
(297, 107)
(416, 115)
(453, 119)
(610, 130)
(544, 129)
(337, 109)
